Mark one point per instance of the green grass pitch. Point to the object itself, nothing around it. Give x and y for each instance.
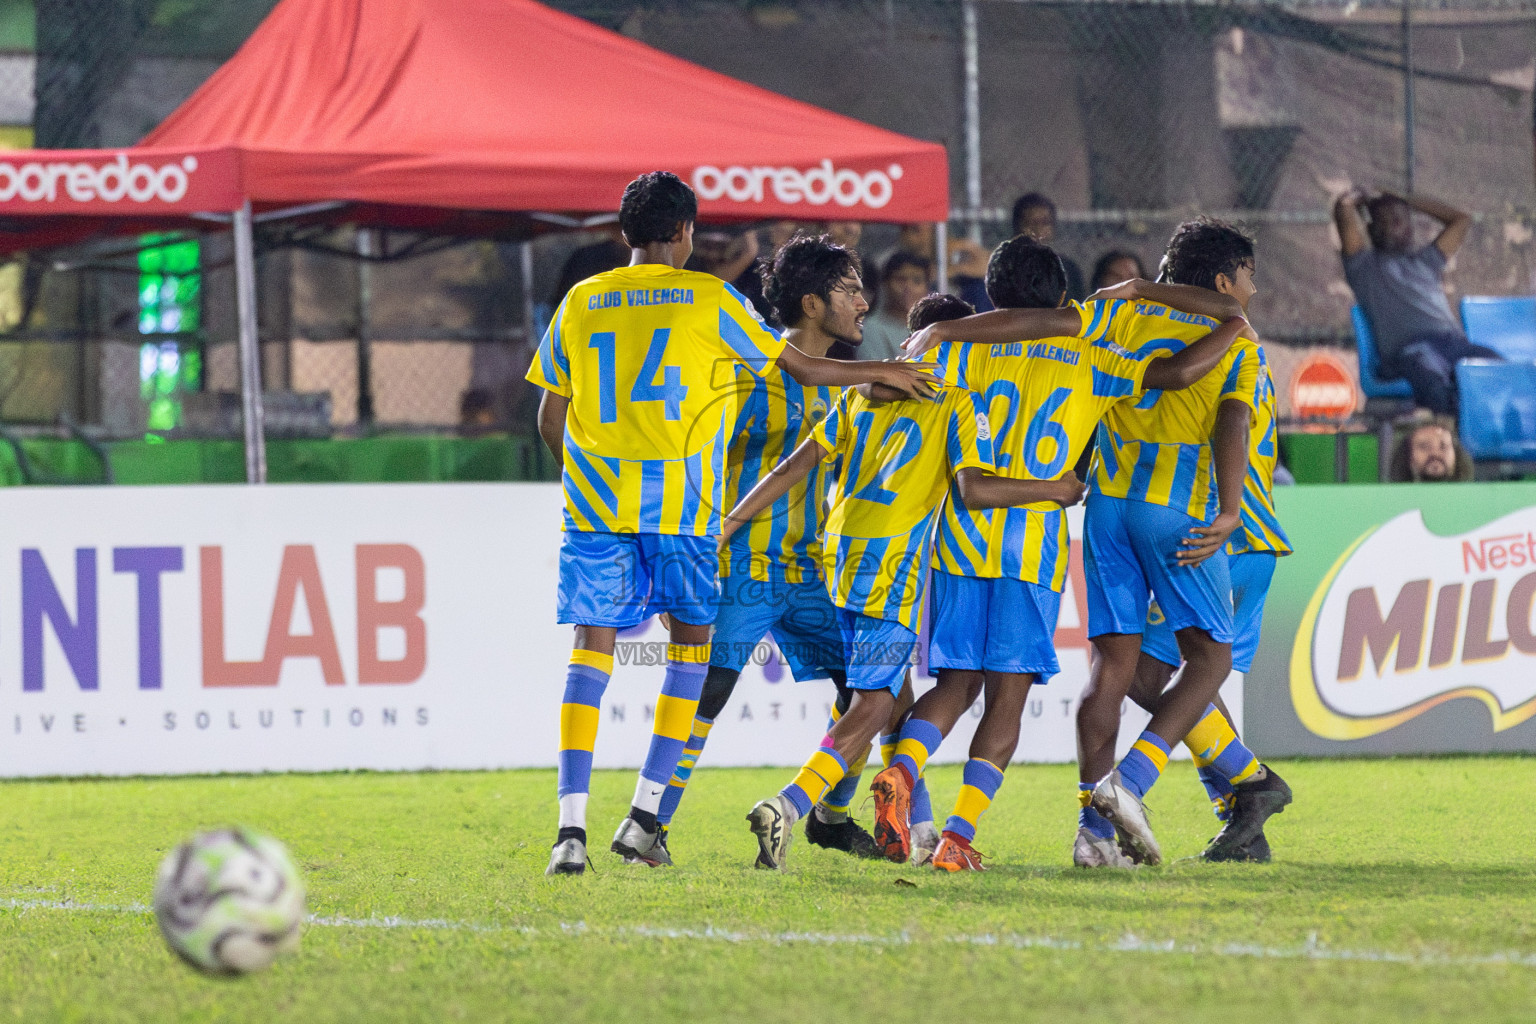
(1402, 890)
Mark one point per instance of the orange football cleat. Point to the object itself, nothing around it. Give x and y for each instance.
(893, 810)
(955, 854)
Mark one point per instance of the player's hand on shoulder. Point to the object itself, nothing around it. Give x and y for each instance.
(1124, 290)
(925, 340)
(911, 379)
(1205, 541)
(1072, 490)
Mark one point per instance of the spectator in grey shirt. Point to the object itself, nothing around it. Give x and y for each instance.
(1401, 289)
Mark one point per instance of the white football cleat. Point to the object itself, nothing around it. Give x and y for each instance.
(637, 846)
(1129, 816)
(774, 826)
(925, 839)
(1091, 851)
(569, 857)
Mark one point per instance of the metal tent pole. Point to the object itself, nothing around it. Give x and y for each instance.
(972, 119)
(941, 243)
(1408, 98)
(250, 348)
(525, 265)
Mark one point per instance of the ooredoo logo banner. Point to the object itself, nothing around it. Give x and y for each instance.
(121, 182)
(822, 185)
(1407, 619)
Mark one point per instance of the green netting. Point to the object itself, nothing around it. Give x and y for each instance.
(368, 460)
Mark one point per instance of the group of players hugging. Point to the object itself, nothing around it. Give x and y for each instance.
(731, 477)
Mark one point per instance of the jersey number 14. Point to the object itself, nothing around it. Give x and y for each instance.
(669, 389)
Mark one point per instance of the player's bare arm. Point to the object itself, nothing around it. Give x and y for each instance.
(997, 327)
(1186, 298)
(1457, 222)
(982, 490)
(1346, 217)
(911, 380)
(552, 409)
(1185, 367)
(772, 487)
(1229, 446)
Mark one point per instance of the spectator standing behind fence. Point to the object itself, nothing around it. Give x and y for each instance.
(597, 258)
(1402, 290)
(1430, 454)
(904, 278)
(1115, 266)
(732, 257)
(1035, 215)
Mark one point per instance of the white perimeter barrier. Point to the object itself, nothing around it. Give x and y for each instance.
(166, 630)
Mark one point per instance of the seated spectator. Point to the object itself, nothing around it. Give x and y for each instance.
(1402, 291)
(904, 279)
(1115, 266)
(968, 272)
(477, 411)
(1430, 454)
(1035, 215)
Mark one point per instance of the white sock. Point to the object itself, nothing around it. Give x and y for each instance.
(648, 795)
(573, 811)
(788, 809)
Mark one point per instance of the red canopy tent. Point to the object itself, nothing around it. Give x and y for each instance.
(477, 117)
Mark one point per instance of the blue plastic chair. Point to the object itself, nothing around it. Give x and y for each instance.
(1370, 363)
(1506, 324)
(1498, 409)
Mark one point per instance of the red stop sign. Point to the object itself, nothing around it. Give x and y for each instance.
(1323, 388)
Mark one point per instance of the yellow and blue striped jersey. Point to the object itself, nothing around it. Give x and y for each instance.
(1044, 400)
(648, 355)
(898, 459)
(775, 415)
(1261, 526)
(1158, 448)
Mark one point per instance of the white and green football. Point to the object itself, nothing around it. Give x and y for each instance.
(229, 900)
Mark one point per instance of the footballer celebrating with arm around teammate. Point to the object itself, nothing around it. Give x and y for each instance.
(771, 572)
(638, 371)
(898, 462)
(998, 574)
(1155, 521)
(1243, 792)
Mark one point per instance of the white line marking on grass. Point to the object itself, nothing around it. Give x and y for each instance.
(1312, 949)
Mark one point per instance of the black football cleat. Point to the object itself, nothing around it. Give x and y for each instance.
(846, 835)
(1254, 803)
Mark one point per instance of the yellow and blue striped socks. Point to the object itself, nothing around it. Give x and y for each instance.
(839, 798)
(1222, 759)
(687, 665)
(978, 786)
(822, 771)
(919, 739)
(585, 680)
(684, 771)
(1089, 818)
(922, 806)
(1143, 763)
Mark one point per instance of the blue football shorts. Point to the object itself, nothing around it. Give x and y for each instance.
(621, 579)
(878, 651)
(1000, 625)
(1129, 552)
(800, 617)
(1251, 573)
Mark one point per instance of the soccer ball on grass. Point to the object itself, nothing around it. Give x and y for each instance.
(229, 900)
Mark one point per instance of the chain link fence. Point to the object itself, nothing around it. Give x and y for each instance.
(1130, 116)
